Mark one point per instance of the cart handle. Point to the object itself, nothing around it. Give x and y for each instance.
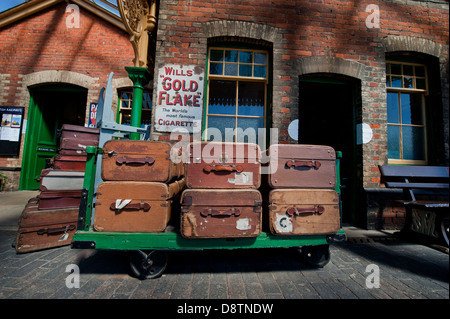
(294, 163)
(135, 160)
(317, 209)
(217, 213)
(223, 168)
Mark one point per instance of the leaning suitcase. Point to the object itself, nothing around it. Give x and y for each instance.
(303, 211)
(223, 165)
(57, 180)
(70, 162)
(305, 166)
(42, 229)
(59, 199)
(144, 207)
(221, 213)
(74, 139)
(145, 161)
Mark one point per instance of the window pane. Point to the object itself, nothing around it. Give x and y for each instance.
(251, 99)
(392, 108)
(231, 69)
(408, 69)
(413, 143)
(216, 68)
(396, 69)
(222, 97)
(260, 58)
(420, 84)
(411, 108)
(216, 55)
(245, 70)
(407, 82)
(388, 83)
(217, 126)
(245, 57)
(393, 142)
(420, 71)
(259, 71)
(396, 82)
(231, 56)
(249, 127)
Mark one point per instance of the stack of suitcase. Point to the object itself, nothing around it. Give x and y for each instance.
(50, 219)
(302, 199)
(140, 184)
(222, 199)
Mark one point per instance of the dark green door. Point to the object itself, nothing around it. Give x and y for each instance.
(50, 108)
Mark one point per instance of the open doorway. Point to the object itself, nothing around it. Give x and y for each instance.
(51, 106)
(327, 116)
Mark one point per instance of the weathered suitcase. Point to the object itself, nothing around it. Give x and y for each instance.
(42, 229)
(57, 180)
(220, 213)
(59, 199)
(74, 139)
(70, 162)
(124, 206)
(305, 166)
(303, 211)
(145, 161)
(223, 165)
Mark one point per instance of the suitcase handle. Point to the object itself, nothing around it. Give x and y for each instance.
(57, 230)
(135, 160)
(223, 168)
(294, 163)
(317, 209)
(138, 206)
(217, 213)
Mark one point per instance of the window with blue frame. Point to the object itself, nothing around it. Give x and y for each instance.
(237, 84)
(406, 89)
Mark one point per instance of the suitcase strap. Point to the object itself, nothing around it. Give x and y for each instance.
(134, 160)
(294, 163)
(217, 213)
(56, 230)
(120, 206)
(317, 209)
(223, 168)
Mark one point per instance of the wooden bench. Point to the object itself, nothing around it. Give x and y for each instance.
(426, 196)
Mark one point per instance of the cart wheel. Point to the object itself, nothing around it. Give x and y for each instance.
(148, 266)
(317, 256)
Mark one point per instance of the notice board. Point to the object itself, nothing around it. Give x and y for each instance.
(11, 121)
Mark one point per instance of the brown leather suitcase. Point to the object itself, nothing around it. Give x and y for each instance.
(124, 206)
(304, 166)
(59, 199)
(58, 180)
(220, 213)
(145, 161)
(74, 139)
(303, 211)
(223, 165)
(42, 229)
(70, 162)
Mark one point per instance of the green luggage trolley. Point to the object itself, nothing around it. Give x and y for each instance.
(148, 251)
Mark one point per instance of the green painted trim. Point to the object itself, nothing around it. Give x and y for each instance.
(151, 241)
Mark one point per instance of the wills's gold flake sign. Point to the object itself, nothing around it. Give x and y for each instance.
(179, 98)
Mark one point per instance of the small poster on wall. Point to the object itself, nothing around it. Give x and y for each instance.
(10, 129)
(179, 98)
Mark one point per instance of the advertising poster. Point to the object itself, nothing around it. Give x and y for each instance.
(179, 99)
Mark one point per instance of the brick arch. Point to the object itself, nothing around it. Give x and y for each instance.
(393, 43)
(59, 76)
(325, 64)
(242, 29)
